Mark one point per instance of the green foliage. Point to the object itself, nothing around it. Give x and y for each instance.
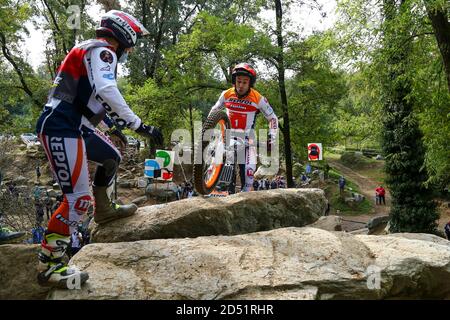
(350, 208)
(355, 160)
(156, 106)
(412, 207)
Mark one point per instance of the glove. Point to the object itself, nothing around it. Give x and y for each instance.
(118, 138)
(150, 132)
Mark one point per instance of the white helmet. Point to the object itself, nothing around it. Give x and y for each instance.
(122, 26)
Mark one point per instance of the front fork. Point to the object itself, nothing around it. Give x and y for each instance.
(228, 174)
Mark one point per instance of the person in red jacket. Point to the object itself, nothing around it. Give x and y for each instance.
(380, 193)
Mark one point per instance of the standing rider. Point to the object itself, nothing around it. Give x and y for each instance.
(84, 91)
(243, 103)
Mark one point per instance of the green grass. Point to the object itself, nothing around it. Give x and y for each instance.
(331, 155)
(338, 203)
(335, 175)
(372, 169)
(376, 174)
(351, 208)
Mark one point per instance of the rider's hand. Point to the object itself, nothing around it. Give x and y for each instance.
(150, 132)
(118, 138)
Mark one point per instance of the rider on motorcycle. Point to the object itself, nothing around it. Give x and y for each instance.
(243, 103)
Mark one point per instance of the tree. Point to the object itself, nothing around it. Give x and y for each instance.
(356, 42)
(12, 20)
(279, 58)
(67, 22)
(412, 207)
(438, 14)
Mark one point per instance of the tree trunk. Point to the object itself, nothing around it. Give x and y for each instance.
(146, 48)
(283, 95)
(441, 27)
(191, 122)
(158, 41)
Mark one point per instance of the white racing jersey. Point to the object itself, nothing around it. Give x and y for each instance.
(84, 89)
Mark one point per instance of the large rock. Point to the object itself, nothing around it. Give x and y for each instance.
(237, 214)
(139, 200)
(18, 273)
(422, 237)
(329, 223)
(287, 263)
(377, 223)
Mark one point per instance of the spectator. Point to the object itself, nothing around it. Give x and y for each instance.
(267, 184)
(321, 176)
(13, 190)
(308, 169)
(59, 199)
(86, 237)
(447, 230)
(84, 230)
(380, 194)
(138, 145)
(304, 179)
(341, 183)
(38, 234)
(36, 193)
(190, 193)
(282, 183)
(327, 170)
(274, 184)
(48, 206)
(188, 190)
(75, 241)
(179, 192)
(39, 213)
(255, 185)
(38, 173)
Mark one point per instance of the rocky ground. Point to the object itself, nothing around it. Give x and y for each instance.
(273, 244)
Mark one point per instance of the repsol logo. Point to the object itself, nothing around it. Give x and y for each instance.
(232, 100)
(62, 169)
(119, 121)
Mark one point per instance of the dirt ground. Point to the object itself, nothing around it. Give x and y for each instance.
(367, 187)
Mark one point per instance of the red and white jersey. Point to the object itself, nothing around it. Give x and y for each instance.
(242, 111)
